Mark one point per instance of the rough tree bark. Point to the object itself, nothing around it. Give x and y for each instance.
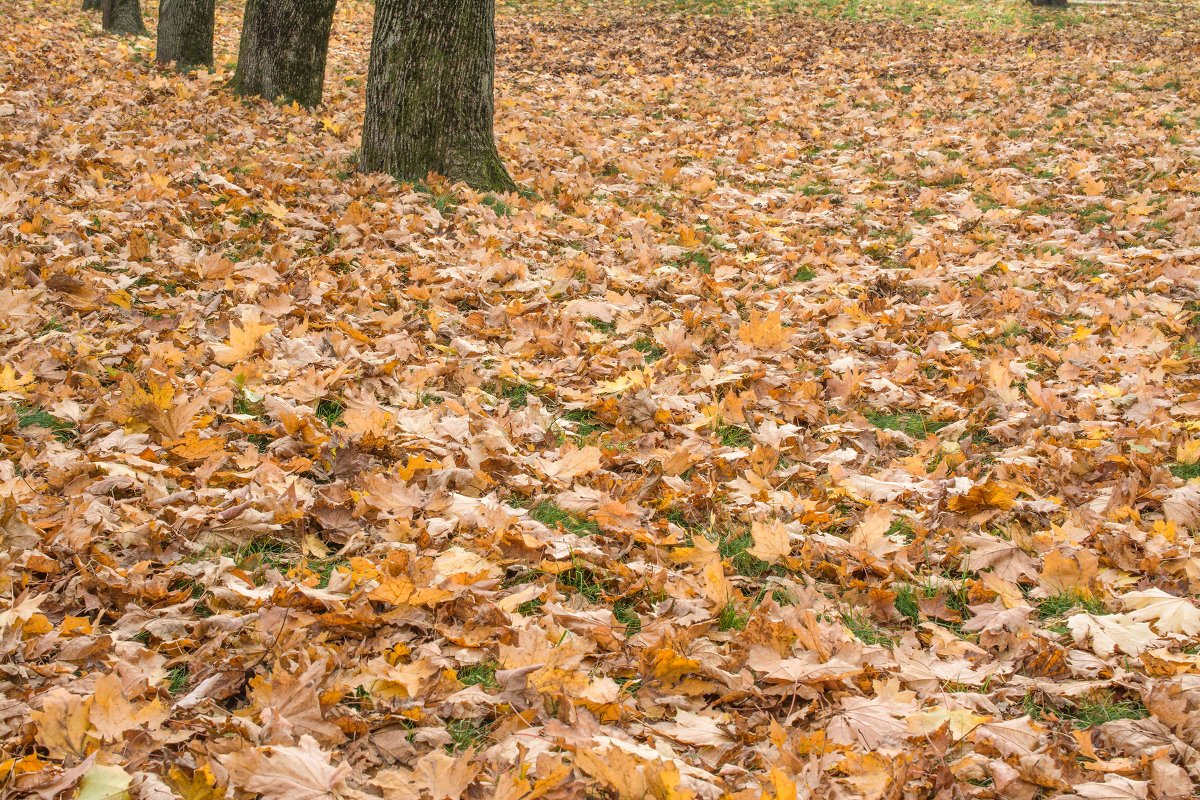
(185, 33)
(283, 49)
(122, 16)
(429, 93)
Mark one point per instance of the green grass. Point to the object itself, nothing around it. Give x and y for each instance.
(1060, 604)
(583, 581)
(700, 259)
(466, 734)
(584, 423)
(866, 631)
(552, 515)
(601, 325)
(515, 392)
(265, 552)
(734, 436)
(1012, 332)
(1087, 712)
(250, 408)
(734, 547)
(1186, 471)
(493, 202)
(177, 680)
(479, 675)
(330, 412)
(31, 417)
(325, 568)
(909, 596)
(623, 611)
(911, 423)
(903, 528)
(906, 603)
(444, 202)
(649, 349)
(731, 619)
(260, 440)
(530, 607)
(1102, 709)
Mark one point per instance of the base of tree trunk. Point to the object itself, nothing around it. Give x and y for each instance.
(122, 16)
(185, 33)
(429, 93)
(283, 49)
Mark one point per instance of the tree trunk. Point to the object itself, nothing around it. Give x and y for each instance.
(185, 33)
(91, 5)
(122, 16)
(282, 54)
(1053, 3)
(429, 93)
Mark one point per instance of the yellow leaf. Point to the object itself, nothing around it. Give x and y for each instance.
(415, 463)
(200, 785)
(243, 340)
(771, 541)
(121, 298)
(62, 724)
(11, 382)
(104, 782)
(764, 330)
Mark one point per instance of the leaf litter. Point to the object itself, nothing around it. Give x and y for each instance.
(822, 420)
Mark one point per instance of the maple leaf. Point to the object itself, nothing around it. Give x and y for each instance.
(1169, 613)
(62, 724)
(1015, 737)
(696, 729)
(288, 705)
(201, 784)
(871, 533)
(1112, 631)
(765, 330)
(869, 721)
(446, 777)
(111, 714)
(104, 782)
(1113, 787)
(771, 541)
(11, 382)
(1063, 572)
(303, 772)
(571, 464)
(243, 340)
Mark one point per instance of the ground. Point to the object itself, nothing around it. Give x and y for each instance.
(820, 420)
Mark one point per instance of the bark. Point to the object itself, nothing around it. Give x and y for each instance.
(283, 49)
(429, 93)
(1053, 3)
(185, 33)
(91, 5)
(122, 16)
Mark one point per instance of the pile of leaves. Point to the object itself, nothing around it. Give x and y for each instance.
(822, 419)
